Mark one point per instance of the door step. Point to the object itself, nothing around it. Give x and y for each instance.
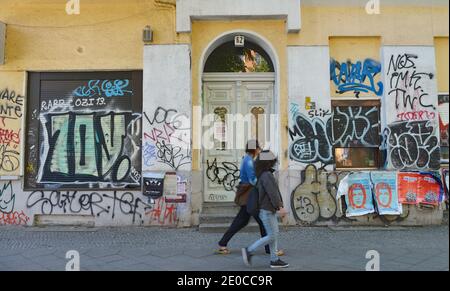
(64, 220)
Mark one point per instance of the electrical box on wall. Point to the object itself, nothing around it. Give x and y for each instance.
(2, 42)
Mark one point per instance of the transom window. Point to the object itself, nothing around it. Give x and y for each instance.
(230, 59)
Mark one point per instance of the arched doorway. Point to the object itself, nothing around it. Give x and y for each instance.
(239, 86)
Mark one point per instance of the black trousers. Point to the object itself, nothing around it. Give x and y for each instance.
(241, 221)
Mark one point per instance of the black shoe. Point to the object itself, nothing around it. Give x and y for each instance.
(247, 257)
(279, 265)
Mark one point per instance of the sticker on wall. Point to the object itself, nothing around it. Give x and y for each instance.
(154, 185)
(357, 190)
(181, 196)
(385, 193)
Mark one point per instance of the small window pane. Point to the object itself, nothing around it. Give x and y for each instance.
(229, 59)
(356, 158)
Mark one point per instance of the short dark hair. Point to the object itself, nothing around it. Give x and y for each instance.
(252, 146)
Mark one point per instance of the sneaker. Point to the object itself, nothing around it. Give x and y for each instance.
(247, 257)
(279, 264)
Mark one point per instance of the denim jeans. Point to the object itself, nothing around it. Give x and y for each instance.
(270, 222)
(241, 221)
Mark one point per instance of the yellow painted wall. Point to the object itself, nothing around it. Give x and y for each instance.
(354, 49)
(11, 129)
(442, 63)
(106, 35)
(398, 25)
(204, 32)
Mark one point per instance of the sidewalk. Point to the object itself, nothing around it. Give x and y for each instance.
(151, 249)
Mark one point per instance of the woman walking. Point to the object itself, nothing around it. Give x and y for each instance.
(247, 182)
(270, 202)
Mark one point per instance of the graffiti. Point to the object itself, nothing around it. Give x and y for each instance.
(355, 126)
(311, 140)
(227, 174)
(11, 112)
(319, 113)
(413, 145)
(11, 105)
(407, 84)
(95, 204)
(14, 218)
(357, 77)
(173, 156)
(107, 88)
(7, 198)
(10, 137)
(9, 159)
(163, 213)
(166, 125)
(314, 199)
(444, 119)
(416, 115)
(87, 138)
(85, 148)
(167, 139)
(149, 154)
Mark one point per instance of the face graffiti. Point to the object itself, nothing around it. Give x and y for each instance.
(359, 77)
(357, 196)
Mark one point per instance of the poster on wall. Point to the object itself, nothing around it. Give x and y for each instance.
(444, 119)
(87, 128)
(357, 190)
(430, 190)
(445, 182)
(408, 188)
(385, 193)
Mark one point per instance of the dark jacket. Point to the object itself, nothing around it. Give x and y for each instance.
(269, 194)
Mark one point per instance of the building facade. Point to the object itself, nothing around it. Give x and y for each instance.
(102, 127)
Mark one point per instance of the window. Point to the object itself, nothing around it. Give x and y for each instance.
(230, 59)
(83, 130)
(356, 134)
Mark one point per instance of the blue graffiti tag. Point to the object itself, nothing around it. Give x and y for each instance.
(357, 77)
(103, 88)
